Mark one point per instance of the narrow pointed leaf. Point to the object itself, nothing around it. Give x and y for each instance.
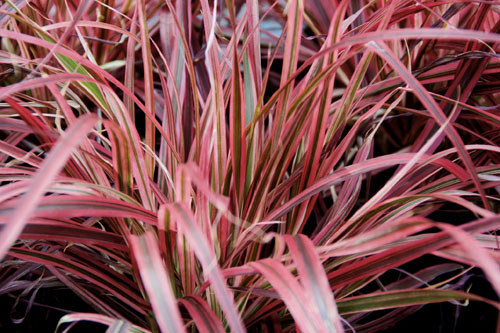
(156, 282)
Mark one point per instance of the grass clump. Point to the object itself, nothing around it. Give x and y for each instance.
(249, 165)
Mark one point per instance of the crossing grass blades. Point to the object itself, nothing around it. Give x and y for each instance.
(248, 165)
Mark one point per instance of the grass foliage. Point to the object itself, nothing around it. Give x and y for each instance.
(244, 165)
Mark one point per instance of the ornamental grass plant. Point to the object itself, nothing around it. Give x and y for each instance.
(260, 166)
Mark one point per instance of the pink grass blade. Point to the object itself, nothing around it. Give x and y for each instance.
(122, 164)
(217, 108)
(318, 119)
(8, 8)
(19, 154)
(476, 252)
(148, 82)
(40, 127)
(67, 206)
(376, 238)
(119, 326)
(194, 174)
(97, 318)
(157, 283)
(48, 230)
(290, 60)
(49, 169)
(313, 278)
(204, 318)
(290, 291)
(252, 60)
(198, 242)
(136, 149)
(186, 256)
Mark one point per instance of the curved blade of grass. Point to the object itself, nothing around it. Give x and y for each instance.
(48, 230)
(204, 318)
(313, 278)
(477, 252)
(375, 238)
(67, 206)
(20, 154)
(49, 169)
(39, 127)
(290, 291)
(97, 318)
(41, 82)
(119, 326)
(156, 282)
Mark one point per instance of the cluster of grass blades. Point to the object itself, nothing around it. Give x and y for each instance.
(248, 165)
